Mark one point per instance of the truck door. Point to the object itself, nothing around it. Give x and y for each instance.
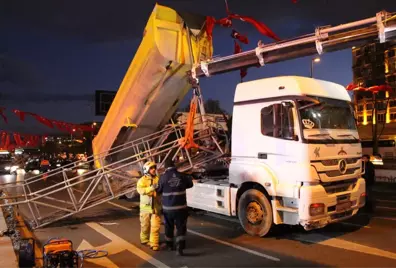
(281, 148)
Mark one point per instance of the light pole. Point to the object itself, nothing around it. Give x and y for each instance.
(71, 137)
(314, 60)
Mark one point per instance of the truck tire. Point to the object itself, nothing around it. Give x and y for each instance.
(255, 213)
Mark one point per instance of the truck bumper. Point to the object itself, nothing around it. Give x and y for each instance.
(338, 206)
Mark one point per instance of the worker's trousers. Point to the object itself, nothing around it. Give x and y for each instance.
(176, 218)
(370, 201)
(150, 225)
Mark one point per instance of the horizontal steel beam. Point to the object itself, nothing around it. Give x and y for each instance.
(381, 28)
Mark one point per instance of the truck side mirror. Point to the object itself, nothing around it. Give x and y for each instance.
(277, 120)
(363, 168)
(283, 121)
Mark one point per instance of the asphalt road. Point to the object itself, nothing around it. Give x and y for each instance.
(363, 241)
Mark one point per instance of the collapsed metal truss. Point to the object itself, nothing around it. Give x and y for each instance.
(61, 193)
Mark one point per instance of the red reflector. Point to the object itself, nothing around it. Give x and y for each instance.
(363, 194)
(317, 205)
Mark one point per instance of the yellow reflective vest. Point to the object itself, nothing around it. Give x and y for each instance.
(150, 201)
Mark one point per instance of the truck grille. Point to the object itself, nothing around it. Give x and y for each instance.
(339, 186)
(334, 162)
(336, 173)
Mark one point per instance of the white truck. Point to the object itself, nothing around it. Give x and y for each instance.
(295, 150)
(295, 157)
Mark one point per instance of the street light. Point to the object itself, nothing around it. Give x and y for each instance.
(314, 60)
(71, 136)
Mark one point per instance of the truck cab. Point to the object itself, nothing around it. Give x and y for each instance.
(296, 157)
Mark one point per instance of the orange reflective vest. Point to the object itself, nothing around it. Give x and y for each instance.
(44, 163)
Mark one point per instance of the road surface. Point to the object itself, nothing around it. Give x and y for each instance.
(364, 241)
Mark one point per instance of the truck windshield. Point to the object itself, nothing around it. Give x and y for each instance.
(328, 120)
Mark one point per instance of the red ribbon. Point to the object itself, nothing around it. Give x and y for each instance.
(238, 36)
(27, 141)
(2, 109)
(6, 142)
(225, 22)
(43, 120)
(18, 140)
(261, 27)
(62, 126)
(238, 49)
(210, 23)
(374, 89)
(20, 114)
(3, 139)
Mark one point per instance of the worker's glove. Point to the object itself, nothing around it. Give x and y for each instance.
(153, 187)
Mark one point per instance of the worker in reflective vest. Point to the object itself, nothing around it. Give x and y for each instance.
(44, 164)
(150, 206)
(172, 187)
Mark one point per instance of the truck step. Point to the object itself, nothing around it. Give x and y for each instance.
(287, 209)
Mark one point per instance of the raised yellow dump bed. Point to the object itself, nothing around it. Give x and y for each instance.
(156, 80)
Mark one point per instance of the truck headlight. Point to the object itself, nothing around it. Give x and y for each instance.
(316, 209)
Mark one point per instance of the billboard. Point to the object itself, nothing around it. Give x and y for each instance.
(103, 100)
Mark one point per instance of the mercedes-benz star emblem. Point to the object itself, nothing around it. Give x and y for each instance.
(342, 166)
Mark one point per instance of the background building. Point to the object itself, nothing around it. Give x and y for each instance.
(375, 64)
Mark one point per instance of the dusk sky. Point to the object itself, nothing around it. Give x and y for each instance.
(55, 54)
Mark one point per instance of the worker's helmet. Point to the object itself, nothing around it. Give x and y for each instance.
(147, 166)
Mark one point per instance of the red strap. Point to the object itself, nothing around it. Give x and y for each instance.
(187, 141)
(2, 109)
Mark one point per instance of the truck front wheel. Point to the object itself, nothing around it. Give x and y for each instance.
(255, 213)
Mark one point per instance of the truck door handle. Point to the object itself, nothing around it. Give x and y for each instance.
(262, 155)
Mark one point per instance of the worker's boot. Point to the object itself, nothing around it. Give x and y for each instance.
(145, 243)
(179, 251)
(169, 246)
(179, 248)
(155, 248)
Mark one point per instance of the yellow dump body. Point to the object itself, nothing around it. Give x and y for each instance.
(156, 80)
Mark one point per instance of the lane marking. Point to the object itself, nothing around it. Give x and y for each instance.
(385, 218)
(385, 207)
(378, 217)
(384, 191)
(234, 246)
(118, 244)
(384, 200)
(343, 244)
(354, 224)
